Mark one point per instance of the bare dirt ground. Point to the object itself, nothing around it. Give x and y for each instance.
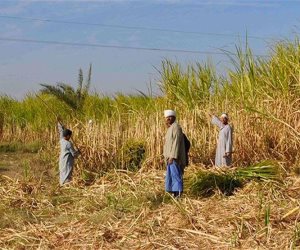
(13, 164)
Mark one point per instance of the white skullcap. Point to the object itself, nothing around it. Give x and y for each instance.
(224, 115)
(169, 112)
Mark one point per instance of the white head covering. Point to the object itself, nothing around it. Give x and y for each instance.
(224, 115)
(169, 112)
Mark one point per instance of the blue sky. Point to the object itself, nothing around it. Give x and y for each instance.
(24, 65)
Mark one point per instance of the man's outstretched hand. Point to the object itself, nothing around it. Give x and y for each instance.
(58, 119)
(209, 114)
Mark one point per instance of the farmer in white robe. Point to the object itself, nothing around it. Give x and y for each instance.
(67, 154)
(174, 155)
(224, 146)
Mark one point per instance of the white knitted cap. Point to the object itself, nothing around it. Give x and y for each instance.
(169, 112)
(224, 115)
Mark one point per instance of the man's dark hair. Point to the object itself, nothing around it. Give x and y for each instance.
(67, 132)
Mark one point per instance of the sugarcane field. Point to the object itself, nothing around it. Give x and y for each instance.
(205, 157)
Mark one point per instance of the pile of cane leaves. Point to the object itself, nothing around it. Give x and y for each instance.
(206, 183)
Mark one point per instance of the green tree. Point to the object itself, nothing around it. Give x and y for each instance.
(74, 98)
